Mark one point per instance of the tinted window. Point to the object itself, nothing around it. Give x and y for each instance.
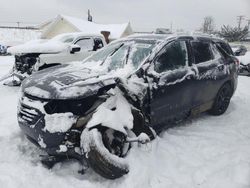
(97, 44)
(172, 57)
(85, 44)
(202, 52)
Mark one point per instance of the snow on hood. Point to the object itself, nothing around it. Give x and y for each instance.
(66, 81)
(111, 113)
(39, 46)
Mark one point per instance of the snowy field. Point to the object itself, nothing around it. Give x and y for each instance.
(11, 37)
(205, 152)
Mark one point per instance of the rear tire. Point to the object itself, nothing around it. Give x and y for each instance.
(101, 159)
(222, 100)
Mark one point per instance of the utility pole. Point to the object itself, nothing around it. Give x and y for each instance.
(18, 24)
(240, 19)
(90, 19)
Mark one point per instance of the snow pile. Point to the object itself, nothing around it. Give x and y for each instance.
(12, 37)
(59, 122)
(39, 46)
(115, 113)
(136, 87)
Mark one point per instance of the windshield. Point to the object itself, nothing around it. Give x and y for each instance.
(118, 55)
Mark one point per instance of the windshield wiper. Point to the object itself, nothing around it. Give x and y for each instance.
(127, 55)
(116, 49)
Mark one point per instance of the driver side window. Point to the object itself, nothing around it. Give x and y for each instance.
(172, 57)
(86, 44)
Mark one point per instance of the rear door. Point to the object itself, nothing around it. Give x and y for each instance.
(211, 72)
(170, 84)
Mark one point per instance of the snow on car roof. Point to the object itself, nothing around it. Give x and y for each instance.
(150, 36)
(77, 34)
(154, 36)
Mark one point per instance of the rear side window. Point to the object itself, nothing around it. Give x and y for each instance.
(98, 44)
(202, 51)
(173, 56)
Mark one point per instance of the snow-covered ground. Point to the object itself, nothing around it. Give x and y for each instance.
(246, 44)
(206, 152)
(245, 59)
(11, 37)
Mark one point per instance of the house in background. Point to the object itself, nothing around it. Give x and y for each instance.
(67, 24)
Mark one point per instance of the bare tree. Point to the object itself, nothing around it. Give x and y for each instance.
(208, 25)
(233, 33)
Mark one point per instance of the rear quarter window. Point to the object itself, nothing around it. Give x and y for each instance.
(226, 47)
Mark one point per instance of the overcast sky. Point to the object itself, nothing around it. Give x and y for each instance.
(144, 15)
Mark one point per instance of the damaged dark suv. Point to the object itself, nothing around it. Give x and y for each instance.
(126, 92)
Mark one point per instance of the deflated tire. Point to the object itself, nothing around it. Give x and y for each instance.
(101, 156)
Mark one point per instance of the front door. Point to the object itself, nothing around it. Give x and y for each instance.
(171, 78)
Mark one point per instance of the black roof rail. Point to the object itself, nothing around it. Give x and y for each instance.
(185, 37)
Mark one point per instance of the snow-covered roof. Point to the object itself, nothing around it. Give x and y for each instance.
(116, 30)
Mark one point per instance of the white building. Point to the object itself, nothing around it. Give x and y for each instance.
(67, 24)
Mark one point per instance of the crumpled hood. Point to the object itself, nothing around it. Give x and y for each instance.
(66, 82)
(39, 46)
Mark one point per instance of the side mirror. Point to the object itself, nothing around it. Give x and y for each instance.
(74, 49)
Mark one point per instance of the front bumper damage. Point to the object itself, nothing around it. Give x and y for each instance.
(58, 145)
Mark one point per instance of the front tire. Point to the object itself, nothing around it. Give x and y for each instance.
(105, 158)
(222, 100)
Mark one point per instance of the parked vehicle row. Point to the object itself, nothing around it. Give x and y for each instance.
(126, 92)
